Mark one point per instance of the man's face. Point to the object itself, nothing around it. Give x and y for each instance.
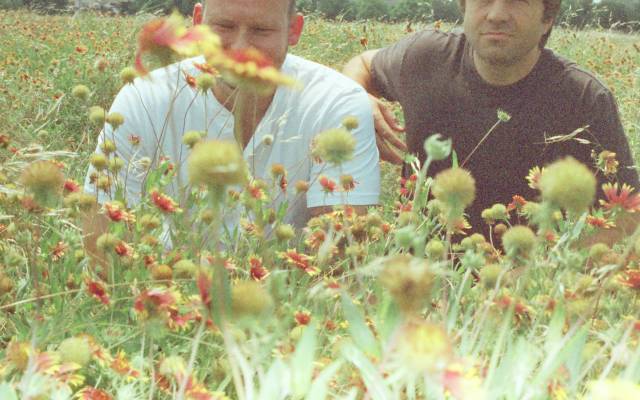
(504, 32)
(263, 24)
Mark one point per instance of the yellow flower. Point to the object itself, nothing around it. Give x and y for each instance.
(424, 347)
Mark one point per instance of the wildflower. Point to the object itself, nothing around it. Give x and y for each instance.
(185, 269)
(249, 299)
(257, 271)
(436, 148)
(107, 241)
(350, 122)
(91, 393)
(98, 161)
(267, 140)
(149, 222)
(249, 68)
(301, 261)
(599, 222)
(205, 82)
(423, 346)
(435, 249)
(161, 272)
(44, 179)
(620, 198)
(631, 278)
(115, 120)
(97, 115)
(134, 140)
(116, 164)
(302, 187)
(347, 183)
(128, 75)
(568, 184)
(18, 353)
(75, 350)
(191, 138)
(81, 92)
(408, 279)
(164, 37)
(607, 162)
(70, 186)
(328, 186)
(302, 317)
(517, 203)
(489, 275)
(285, 232)
(598, 251)
(97, 290)
(154, 302)
(122, 249)
(455, 188)
(216, 162)
(164, 202)
(334, 146)
(518, 240)
(59, 250)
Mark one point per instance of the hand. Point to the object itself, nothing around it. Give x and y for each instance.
(387, 132)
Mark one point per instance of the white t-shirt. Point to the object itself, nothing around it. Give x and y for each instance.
(161, 108)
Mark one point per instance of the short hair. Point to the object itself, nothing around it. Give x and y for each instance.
(551, 11)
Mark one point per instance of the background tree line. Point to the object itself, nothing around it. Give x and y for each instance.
(617, 14)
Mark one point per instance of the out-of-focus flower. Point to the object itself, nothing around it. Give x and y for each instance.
(249, 299)
(334, 146)
(116, 212)
(423, 346)
(250, 69)
(622, 198)
(568, 184)
(216, 163)
(91, 393)
(613, 390)
(533, 178)
(328, 185)
(258, 271)
(44, 179)
(165, 38)
(409, 280)
(631, 278)
(165, 203)
(97, 290)
(298, 260)
(302, 317)
(607, 162)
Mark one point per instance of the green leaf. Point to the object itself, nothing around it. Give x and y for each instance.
(302, 362)
(358, 328)
(454, 159)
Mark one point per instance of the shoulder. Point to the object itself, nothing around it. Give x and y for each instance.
(574, 80)
(432, 44)
(321, 84)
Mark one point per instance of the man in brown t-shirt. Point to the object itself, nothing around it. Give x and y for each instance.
(454, 84)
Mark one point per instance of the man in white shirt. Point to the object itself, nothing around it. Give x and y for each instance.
(278, 127)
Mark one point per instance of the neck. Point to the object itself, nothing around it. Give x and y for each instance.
(503, 74)
(248, 108)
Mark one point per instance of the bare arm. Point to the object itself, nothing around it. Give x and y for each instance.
(387, 128)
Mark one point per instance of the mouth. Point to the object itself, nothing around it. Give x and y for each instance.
(496, 35)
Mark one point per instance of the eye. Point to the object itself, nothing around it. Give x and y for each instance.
(222, 26)
(262, 30)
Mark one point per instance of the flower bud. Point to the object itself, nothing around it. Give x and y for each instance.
(108, 147)
(205, 82)
(128, 75)
(436, 148)
(518, 240)
(568, 184)
(249, 298)
(81, 92)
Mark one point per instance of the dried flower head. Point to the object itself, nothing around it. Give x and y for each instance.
(518, 241)
(216, 163)
(334, 146)
(44, 179)
(409, 280)
(250, 299)
(455, 188)
(568, 184)
(81, 92)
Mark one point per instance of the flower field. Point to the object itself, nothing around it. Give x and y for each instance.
(395, 304)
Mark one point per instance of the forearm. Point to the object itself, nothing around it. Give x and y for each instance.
(359, 69)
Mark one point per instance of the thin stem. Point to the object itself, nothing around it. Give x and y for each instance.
(480, 142)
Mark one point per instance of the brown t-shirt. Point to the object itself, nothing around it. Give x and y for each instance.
(432, 75)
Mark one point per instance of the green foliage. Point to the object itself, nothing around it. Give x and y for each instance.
(370, 9)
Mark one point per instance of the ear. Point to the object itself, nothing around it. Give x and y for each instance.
(197, 14)
(295, 28)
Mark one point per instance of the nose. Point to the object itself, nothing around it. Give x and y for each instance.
(239, 40)
(498, 11)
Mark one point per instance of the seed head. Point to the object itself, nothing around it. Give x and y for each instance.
(334, 146)
(162, 272)
(216, 162)
(285, 232)
(489, 275)
(115, 120)
(107, 242)
(205, 82)
(518, 240)
(267, 140)
(278, 170)
(409, 280)
(435, 249)
(128, 75)
(97, 115)
(108, 147)
(116, 164)
(250, 299)
(75, 350)
(81, 92)
(350, 122)
(185, 269)
(44, 179)
(172, 366)
(302, 187)
(191, 138)
(568, 184)
(455, 188)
